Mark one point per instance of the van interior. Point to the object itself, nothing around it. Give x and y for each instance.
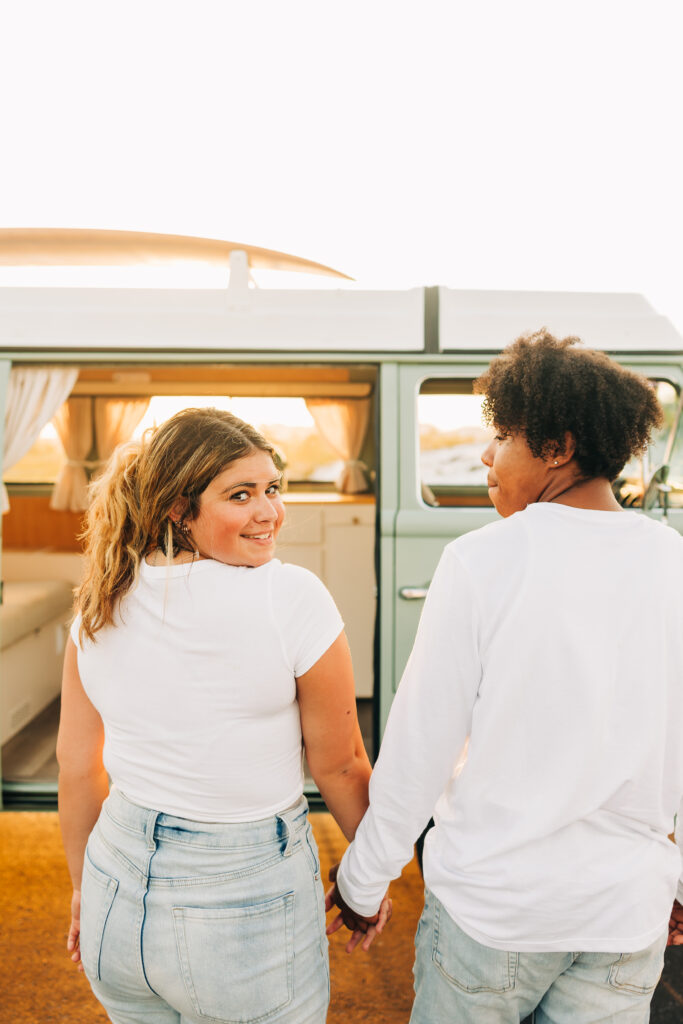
(329, 527)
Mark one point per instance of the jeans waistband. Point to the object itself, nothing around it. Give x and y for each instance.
(155, 824)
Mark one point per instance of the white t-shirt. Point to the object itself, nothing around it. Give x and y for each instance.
(554, 640)
(196, 686)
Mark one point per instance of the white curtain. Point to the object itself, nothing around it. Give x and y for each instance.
(34, 394)
(343, 422)
(115, 421)
(73, 423)
(110, 422)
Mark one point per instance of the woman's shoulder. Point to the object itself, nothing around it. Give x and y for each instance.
(287, 575)
(296, 591)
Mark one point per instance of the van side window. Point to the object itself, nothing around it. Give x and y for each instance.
(452, 438)
(285, 422)
(666, 448)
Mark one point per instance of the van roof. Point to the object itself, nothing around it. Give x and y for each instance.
(613, 321)
(417, 320)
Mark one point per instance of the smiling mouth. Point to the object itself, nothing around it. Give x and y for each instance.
(257, 536)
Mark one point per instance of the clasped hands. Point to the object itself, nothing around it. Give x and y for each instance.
(676, 926)
(364, 929)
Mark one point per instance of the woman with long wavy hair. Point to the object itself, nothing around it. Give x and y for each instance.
(198, 665)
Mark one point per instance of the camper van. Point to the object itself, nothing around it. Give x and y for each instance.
(382, 464)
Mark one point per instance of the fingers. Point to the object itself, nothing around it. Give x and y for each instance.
(385, 912)
(74, 933)
(363, 929)
(73, 943)
(365, 939)
(354, 940)
(335, 925)
(370, 937)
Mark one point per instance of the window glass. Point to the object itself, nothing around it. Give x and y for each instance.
(42, 462)
(285, 422)
(666, 447)
(452, 439)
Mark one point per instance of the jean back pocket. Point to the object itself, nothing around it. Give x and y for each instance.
(639, 973)
(237, 962)
(466, 963)
(98, 890)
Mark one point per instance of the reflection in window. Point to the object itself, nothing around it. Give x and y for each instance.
(452, 439)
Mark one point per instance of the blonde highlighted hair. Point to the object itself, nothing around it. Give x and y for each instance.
(129, 512)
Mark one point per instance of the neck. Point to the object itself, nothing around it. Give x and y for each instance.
(157, 557)
(564, 488)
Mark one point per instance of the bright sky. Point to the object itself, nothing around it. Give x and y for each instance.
(522, 145)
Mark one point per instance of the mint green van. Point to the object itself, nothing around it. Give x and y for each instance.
(403, 362)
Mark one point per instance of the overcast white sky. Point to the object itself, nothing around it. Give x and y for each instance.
(527, 144)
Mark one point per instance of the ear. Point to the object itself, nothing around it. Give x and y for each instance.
(562, 454)
(178, 510)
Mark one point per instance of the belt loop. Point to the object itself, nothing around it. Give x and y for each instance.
(149, 829)
(288, 830)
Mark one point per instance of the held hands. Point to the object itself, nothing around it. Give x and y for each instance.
(676, 926)
(73, 941)
(357, 924)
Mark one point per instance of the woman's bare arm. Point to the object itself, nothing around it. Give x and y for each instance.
(332, 738)
(83, 783)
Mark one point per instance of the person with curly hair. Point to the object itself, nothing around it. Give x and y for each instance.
(551, 642)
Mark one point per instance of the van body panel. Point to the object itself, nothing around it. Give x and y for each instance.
(471, 320)
(253, 320)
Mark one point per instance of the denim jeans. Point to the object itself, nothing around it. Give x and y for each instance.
(185, 921)
(458, 979)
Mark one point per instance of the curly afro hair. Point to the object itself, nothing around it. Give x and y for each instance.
(543, 388)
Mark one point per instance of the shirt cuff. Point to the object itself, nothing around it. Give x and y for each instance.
(365, 909)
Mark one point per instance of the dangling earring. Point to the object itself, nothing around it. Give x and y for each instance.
(183, 527)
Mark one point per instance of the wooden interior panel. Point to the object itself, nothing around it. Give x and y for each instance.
(217, 372)
(32, 524)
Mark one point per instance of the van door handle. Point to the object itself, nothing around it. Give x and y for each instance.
(414, 593)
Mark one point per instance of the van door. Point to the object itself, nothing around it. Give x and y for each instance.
(440, 492)
(439, 487)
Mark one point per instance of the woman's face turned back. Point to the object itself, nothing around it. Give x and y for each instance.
(240, 512)
(516, 478)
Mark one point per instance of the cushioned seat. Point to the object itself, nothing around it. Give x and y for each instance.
(28, 605)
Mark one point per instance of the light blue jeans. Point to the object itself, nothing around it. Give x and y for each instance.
(184, 921)
(459, 980)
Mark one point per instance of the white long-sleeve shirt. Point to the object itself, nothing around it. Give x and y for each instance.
(554, 640)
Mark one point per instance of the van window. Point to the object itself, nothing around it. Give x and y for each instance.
(452, 438)
(285, 422)
(666, 448)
